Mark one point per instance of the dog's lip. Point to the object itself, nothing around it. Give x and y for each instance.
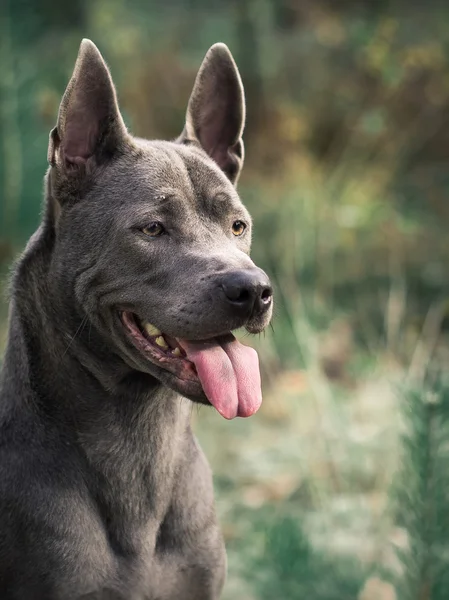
(179, 366)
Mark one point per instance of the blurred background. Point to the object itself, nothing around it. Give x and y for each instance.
(336, 490)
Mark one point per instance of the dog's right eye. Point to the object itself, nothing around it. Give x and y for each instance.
(154, 229)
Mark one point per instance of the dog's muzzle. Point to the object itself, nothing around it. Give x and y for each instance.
(247, 292)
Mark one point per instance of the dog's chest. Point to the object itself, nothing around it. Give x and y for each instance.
(180, 556)
(153, 508)
(148, 575)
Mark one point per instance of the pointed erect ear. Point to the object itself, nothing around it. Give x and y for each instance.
(89, 121)
(216, 111)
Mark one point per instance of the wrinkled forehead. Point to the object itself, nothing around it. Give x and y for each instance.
(169, 168)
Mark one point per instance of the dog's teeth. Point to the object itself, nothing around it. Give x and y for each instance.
(176, 352)
(160, 341)
(151, 329)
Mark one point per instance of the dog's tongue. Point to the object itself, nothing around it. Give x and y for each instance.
(229, 374)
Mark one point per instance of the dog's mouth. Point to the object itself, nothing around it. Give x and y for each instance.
(221, 368)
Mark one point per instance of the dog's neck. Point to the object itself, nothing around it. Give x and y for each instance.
(58, 371)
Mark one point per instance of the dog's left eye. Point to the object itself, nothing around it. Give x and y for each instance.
(154, 229)
(238, 227)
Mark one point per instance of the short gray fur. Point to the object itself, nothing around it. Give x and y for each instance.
(104, 491)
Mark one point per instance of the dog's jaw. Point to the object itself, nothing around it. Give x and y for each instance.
(218, 371)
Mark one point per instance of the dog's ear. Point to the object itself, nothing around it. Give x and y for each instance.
(89, 121)
(216, 111)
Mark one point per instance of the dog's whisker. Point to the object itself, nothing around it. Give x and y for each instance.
(77, 332)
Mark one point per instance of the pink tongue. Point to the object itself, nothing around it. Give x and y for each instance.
(229, 374)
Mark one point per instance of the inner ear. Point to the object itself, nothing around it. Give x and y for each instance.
(216, 111)
(89, 121)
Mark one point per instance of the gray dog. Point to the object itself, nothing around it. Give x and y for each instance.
(122, 306)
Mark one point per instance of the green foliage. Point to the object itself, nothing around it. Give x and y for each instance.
(290, 567)
(421, 493)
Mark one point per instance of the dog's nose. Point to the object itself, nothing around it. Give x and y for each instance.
(249, 291)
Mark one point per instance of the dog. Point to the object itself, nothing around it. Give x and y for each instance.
(122, 308)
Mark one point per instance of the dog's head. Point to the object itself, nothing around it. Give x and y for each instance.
(152, 238)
